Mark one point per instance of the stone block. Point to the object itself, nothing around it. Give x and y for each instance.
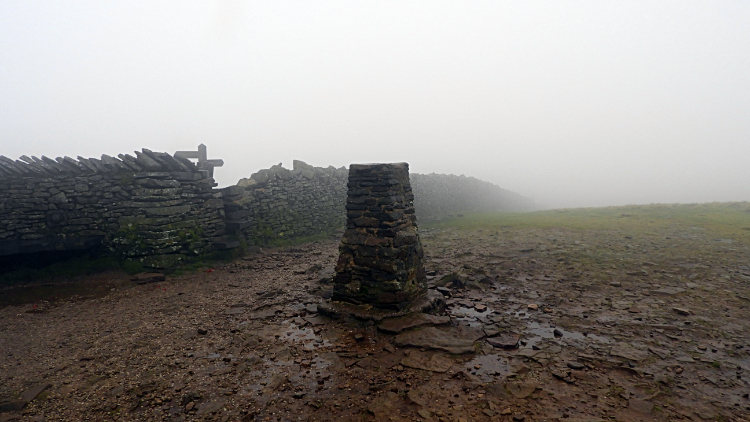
(184, 176)
(182, 209)
(152, 175)
(58, 198)
(157, 183)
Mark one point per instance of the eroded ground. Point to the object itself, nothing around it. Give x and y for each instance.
(610, 325)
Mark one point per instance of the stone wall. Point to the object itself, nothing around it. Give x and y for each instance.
(280, 204)
(154, 207)
(442, 195)
(160, 209)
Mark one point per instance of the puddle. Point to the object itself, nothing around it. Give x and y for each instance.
(490, 366)
(324, 361)
(471, 313)
(540, 332)
(471, 322)
(304, 335)
(522, 313)
(470, 316)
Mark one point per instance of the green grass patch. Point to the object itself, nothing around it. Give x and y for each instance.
(729, 220)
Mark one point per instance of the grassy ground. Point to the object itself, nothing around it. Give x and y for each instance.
(726, 220)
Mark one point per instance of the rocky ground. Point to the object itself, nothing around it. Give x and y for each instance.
(540, 324)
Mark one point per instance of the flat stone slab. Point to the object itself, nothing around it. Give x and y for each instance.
(432, 301)
(434, 362)
(455, 340)
(34, 391)
(264, 314)
(668, 291)
(316, 320)
(505, 341)
(628, 352)
(12, 405)
(407, 322)
(521, 390)
(662, 353)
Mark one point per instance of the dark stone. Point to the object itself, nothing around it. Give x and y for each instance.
(505, 341)
(445, 291)
(34, 391)
(575, 365)
(12, 406)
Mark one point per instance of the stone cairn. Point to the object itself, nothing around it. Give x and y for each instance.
(380, 261)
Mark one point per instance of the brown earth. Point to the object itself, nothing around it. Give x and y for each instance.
(612, 326)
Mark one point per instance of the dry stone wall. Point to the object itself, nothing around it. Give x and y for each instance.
(280, 204)
(159, 209)
(441, 195)
(152, 207)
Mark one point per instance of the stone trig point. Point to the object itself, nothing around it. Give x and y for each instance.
(380, 266)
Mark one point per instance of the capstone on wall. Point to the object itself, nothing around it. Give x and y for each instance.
(154, 208)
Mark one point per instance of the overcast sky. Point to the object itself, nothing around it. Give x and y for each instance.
(570, 103)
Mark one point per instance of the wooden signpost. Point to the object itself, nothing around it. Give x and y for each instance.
(202, 156)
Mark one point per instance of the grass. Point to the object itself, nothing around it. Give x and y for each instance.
(729, 220)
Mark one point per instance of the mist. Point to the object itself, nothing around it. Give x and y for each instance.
(571, 104)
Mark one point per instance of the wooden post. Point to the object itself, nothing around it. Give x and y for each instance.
(202, 156)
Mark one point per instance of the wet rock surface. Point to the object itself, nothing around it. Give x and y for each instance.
(245, 341)
(411, 321)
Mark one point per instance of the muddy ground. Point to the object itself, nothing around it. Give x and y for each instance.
(561, 325)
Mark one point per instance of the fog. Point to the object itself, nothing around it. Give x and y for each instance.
(569, 103)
